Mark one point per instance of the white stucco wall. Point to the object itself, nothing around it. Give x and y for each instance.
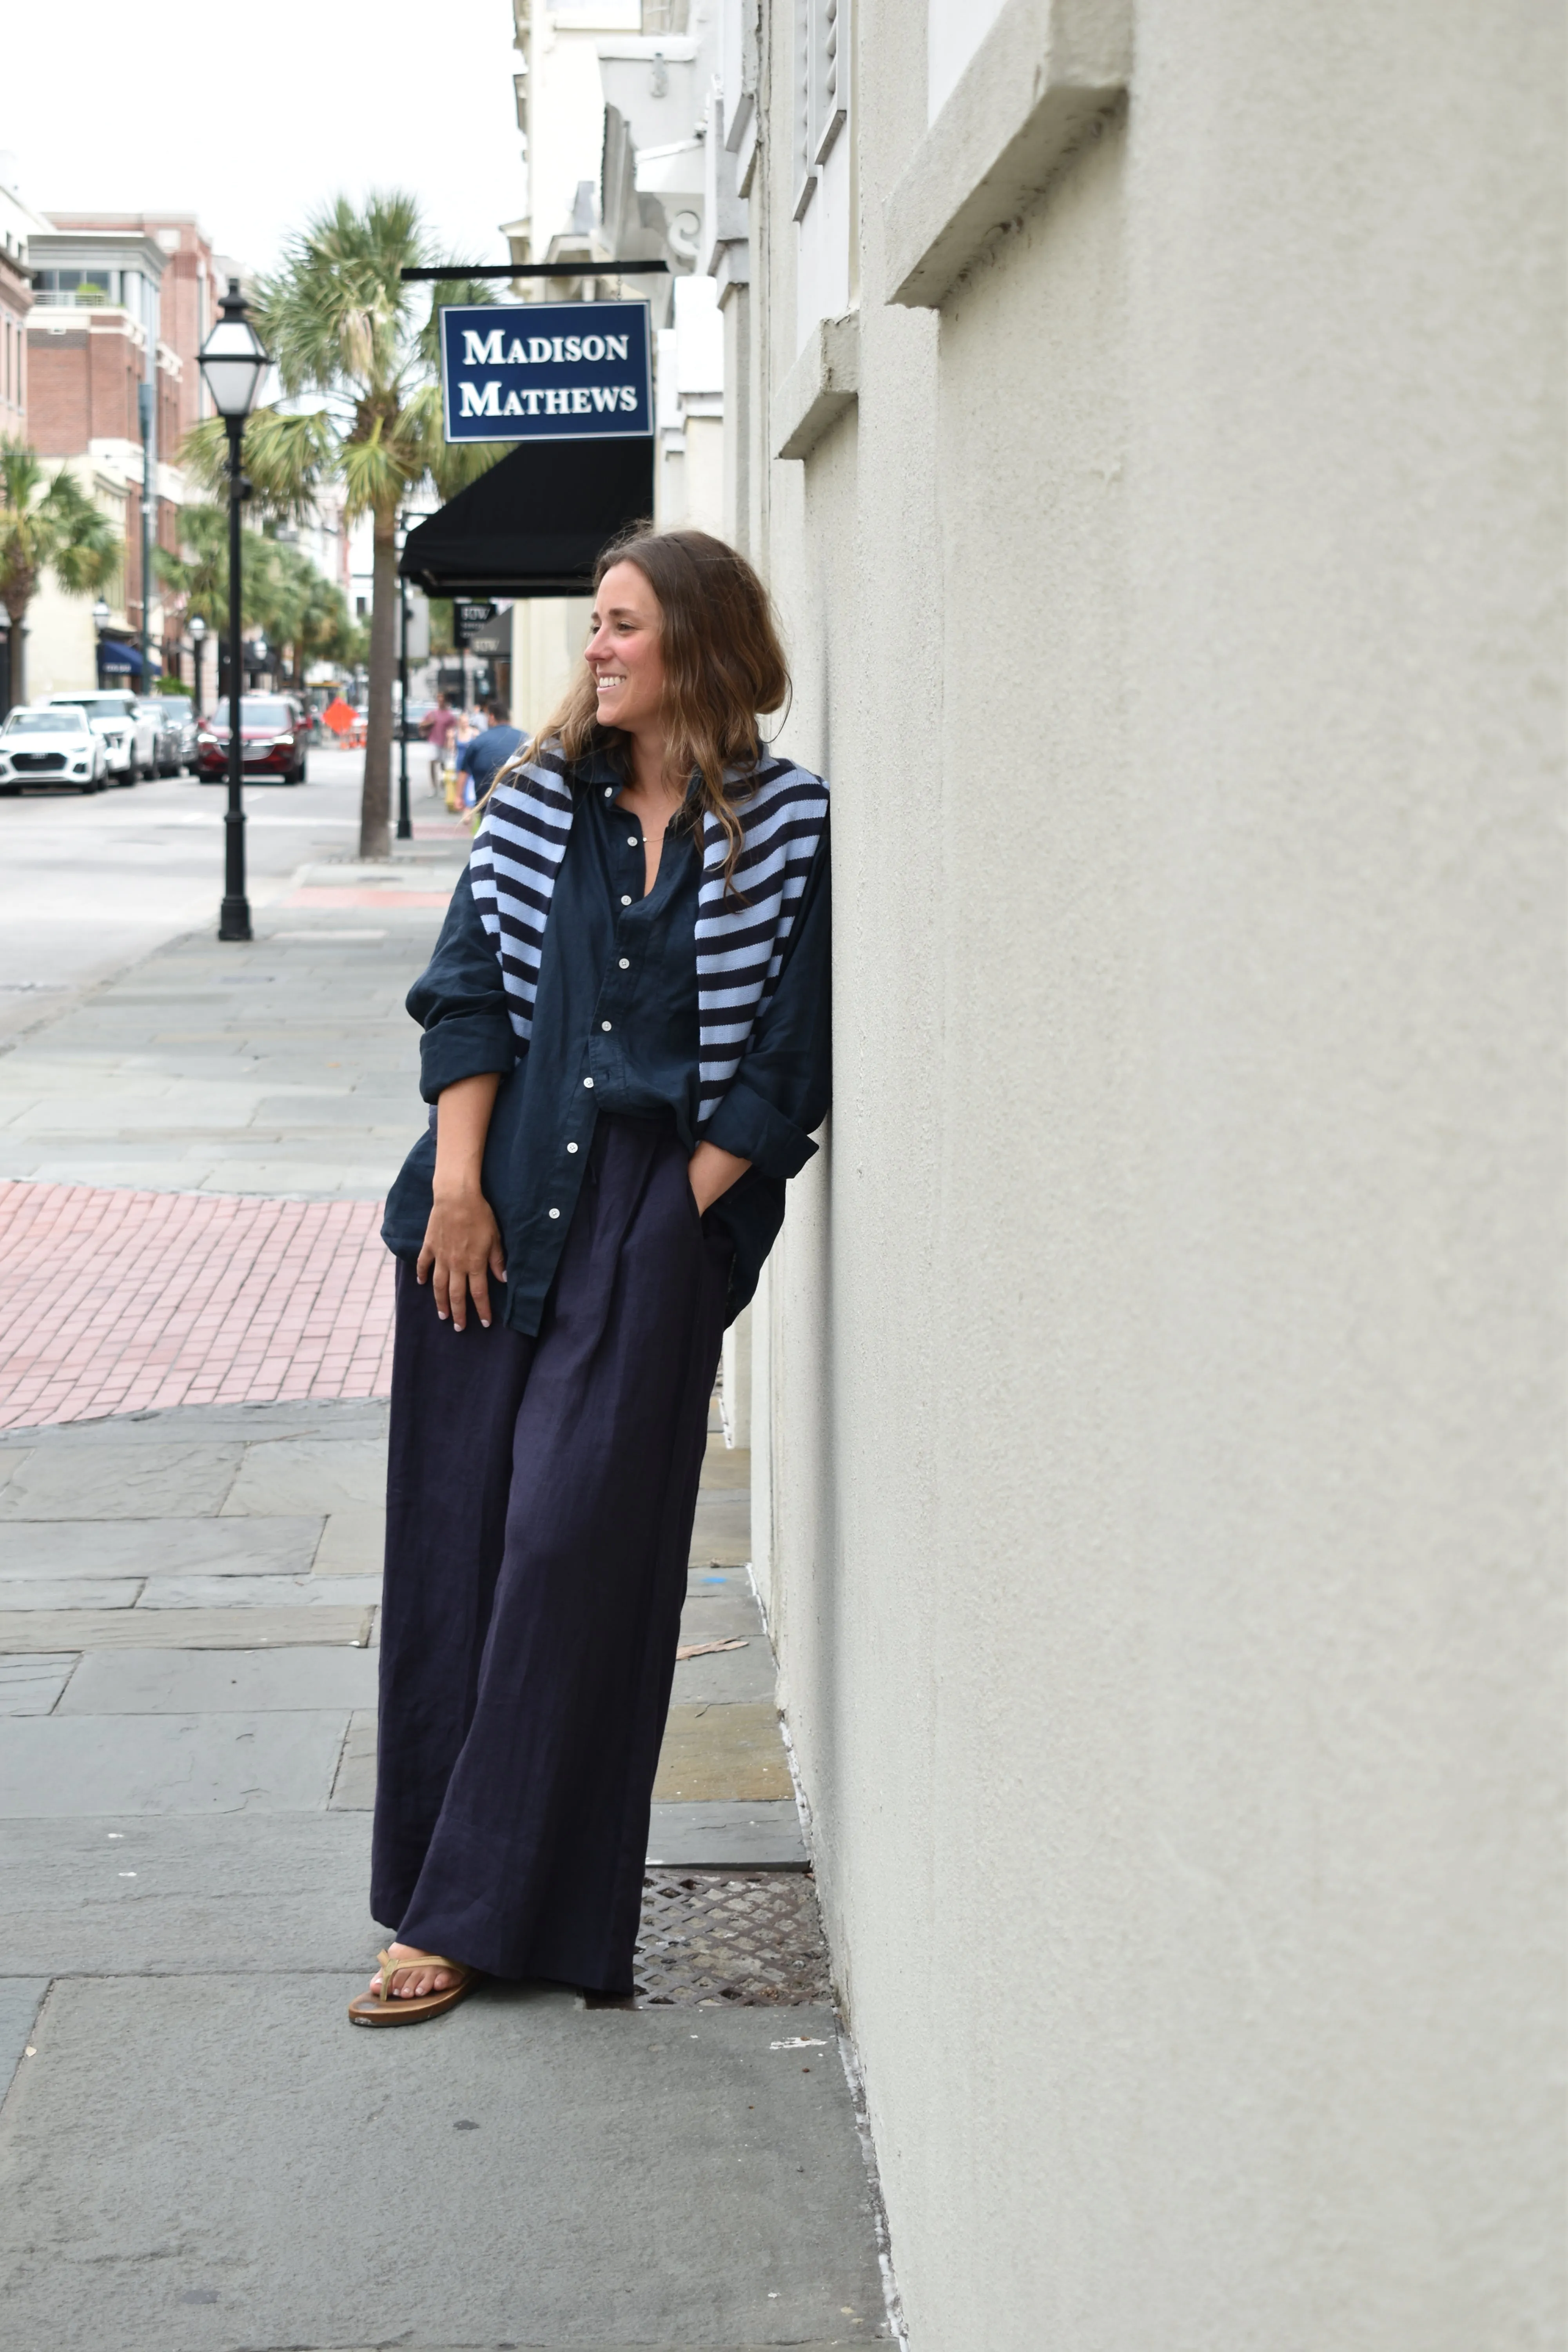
(1158, 1385)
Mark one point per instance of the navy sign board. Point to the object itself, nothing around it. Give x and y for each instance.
(547, 371)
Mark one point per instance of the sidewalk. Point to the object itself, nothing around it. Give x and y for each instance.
(196, 2149)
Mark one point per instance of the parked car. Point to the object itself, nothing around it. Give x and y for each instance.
(132, 741)
(182, 715)
(273, 733)
(169, 734)
(52, 744)
(413, 726)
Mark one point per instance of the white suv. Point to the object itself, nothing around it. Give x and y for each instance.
(131, 740)
(52, 744)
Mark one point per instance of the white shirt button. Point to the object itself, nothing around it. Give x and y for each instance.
(626, 963)
(556, 1213)
(609, 792)
(571, 1146)
(603, 1025)
(625, 902)
(587, 1082)
(631, 841)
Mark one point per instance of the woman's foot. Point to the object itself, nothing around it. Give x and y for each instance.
(413, 1974)
(420, 1985)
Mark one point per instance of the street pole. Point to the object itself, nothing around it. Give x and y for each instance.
(233, 918)
(405, 821)
(148, 492)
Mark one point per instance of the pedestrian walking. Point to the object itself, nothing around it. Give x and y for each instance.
(484, 753)
(439, 726)
(627, 1047)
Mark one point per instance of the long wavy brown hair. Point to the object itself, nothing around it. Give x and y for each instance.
(722, 665)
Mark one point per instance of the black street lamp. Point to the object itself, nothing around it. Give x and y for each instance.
(233, 362)
(197, 632)
(100, 623)
(404, 820)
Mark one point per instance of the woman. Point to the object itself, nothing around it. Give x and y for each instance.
(626, 1044)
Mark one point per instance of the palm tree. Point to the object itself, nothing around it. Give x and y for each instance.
(59, 531)
(340, 323)
(285, 594)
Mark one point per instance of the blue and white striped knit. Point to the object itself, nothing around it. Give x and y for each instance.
(741, 939)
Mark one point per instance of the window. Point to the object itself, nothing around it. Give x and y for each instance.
(823, 201)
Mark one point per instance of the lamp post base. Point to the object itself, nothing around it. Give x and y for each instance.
(233, 920)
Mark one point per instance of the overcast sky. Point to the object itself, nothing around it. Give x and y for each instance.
(251, 117)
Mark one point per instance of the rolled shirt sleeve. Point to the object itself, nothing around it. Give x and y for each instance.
(459, 1001)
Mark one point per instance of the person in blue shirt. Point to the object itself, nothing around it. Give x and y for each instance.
(484, 753)
(627, 1049)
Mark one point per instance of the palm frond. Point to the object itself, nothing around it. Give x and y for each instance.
(448, 294)
(337, 315)
(285, 459)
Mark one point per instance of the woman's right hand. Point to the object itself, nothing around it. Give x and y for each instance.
(462, 1252)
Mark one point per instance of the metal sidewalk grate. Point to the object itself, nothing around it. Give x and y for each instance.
(711, 1938)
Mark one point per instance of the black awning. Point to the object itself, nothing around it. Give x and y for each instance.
(536, 523)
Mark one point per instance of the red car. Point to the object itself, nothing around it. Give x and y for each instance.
(273, 733)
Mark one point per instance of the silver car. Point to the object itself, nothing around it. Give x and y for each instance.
(52, 744)
(132, 741)
(174, 720)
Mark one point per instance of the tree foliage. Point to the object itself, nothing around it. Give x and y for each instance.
(283, 594)
(342, 325)
(47, 525)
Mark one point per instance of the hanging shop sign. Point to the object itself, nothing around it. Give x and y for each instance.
(468, 618)
(547, 371)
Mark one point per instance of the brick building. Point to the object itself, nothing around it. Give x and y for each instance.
(18, 224)
(94, 338)
(188, 295)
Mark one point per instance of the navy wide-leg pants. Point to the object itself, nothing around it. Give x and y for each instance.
(541, 1495)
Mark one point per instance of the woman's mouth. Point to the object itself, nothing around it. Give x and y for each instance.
(605, 680)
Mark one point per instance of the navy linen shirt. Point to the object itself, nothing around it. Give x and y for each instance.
(615, 1029)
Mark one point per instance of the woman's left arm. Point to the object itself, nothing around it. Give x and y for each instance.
(782, 1090)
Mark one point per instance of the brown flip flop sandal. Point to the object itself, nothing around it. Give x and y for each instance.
(381, 2006)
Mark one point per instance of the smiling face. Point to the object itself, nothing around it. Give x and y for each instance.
(625, 652)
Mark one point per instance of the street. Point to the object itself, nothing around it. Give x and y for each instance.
(196, 2149)
(87, 883)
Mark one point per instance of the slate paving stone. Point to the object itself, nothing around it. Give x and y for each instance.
(730, 1675)
(181, 1629)
(726, 1469)
(307, 1474)
(353, 1542)
(705, 1581)
(227, 1682)
(728, 1835)
(722, 1529)
(258, 1592)
(20, 2000)
(733, 1751)
(68, 1591)
(33, 1685)
(56, 1765)
(682, 2176)
(122, 1481)
(143, 1548)
(225, 1891)
(354, 1788)
(252, 1424)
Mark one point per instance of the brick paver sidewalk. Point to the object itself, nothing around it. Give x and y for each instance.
(113, 1302)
